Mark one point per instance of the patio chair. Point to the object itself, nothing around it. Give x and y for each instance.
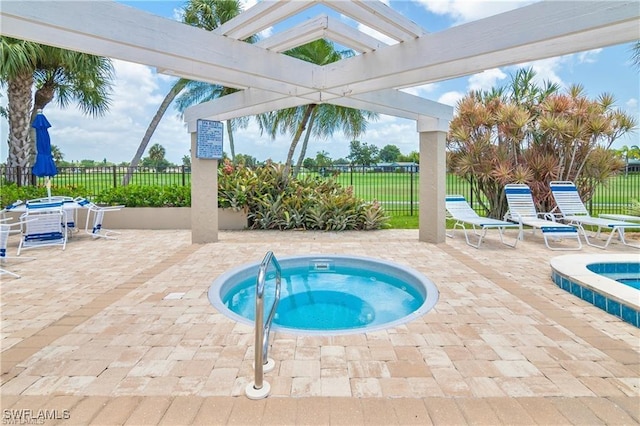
(459, 210)
(7, 228)
(97, 230)
(573, 211)
(71, 216)
(522, 210)
(44, 225)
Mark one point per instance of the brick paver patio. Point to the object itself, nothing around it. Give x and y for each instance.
(89, 337)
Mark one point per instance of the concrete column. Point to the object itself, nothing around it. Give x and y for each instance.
(433, 177)
(204, 197)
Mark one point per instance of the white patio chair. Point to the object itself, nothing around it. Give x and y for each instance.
(7, 228)
(49, 229)
(97, 213)
(459, 210)
(522, 209)
(70, 213)
(573, 211)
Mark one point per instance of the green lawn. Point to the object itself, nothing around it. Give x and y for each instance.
(397, 191)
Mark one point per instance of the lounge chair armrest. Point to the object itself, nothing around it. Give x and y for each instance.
(554, 217)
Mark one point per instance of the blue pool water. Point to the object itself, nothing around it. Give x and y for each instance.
(624, 273)
(329, 293)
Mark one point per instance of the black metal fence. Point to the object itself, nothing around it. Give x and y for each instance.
(396, 187)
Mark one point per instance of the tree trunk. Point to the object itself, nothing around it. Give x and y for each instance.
(305, 143)
(175, 90)
(296, 139)
(231, 145)
(21, 148)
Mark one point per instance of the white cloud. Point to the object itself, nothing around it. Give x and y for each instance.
(451, 98)
(547, 69)
(461, 11)
(588, 57)
(632, 104)
(138, 92)
(486, 79)
(423, 90)
(377, 35)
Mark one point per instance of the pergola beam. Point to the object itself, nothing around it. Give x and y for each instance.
(104, 28)
(538, 31)
(380, 17)
(322, 26)
(261, 16)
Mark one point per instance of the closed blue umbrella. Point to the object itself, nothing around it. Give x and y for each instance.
(44, 166)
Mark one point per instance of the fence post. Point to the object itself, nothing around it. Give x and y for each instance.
(411, 192)
(115, 176)
(183, 175)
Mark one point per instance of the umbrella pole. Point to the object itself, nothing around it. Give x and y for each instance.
(48, 185)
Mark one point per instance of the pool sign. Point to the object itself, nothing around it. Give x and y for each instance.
(209, 140)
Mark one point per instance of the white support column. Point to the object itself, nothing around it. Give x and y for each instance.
(204, 198)
(433, 177)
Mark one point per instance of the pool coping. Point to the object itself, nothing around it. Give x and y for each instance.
(570, 273)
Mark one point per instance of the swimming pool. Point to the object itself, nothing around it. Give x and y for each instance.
(606, 281)
(625, 273)
(329, 294)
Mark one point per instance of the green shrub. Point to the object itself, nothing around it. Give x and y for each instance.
(308, 203)
(146, 196)
(10, 192)
(270, 199)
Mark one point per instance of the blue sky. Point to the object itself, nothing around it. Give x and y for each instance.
(139, 90)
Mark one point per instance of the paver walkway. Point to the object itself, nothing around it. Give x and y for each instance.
(89, 336)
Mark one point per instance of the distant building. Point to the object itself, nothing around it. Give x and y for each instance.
(633, 166)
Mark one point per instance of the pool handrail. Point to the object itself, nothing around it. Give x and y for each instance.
(259, 388)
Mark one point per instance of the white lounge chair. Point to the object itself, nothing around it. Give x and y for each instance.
(44, 225)
(7, 228)
(97, 212)
(459, 210)
(522, 209)
(573, 211)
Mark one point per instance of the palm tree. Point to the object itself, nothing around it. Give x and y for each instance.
(157, 153)
(635, 54)
(327, 117)
(206, 14)
(627, 153)
(59, 74)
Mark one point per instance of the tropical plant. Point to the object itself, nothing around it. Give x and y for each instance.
(274, 200)
(209, 15)
(55, 73)
(526, 133)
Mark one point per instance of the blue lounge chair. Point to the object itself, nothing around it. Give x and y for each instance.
(522, 210)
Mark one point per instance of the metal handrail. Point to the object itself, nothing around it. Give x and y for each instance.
(263, 329)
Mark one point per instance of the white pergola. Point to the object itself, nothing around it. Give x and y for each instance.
(269, 80)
